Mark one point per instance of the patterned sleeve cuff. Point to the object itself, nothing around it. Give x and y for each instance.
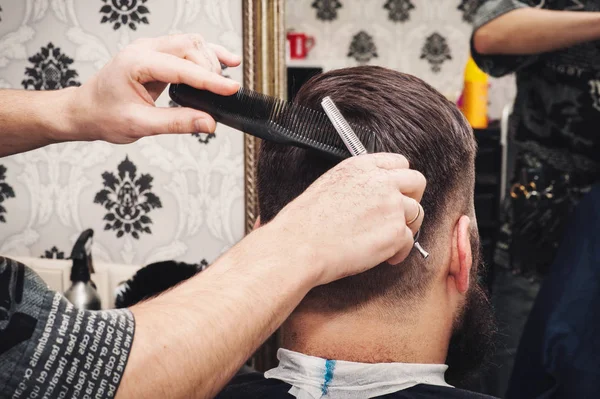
(493, 9)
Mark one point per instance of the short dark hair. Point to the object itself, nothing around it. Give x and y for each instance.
(410, 118)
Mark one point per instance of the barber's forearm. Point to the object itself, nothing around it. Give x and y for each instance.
(535, 31)
(190, 342)
(33, 119)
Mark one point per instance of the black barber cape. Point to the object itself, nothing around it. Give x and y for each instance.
(255, 386)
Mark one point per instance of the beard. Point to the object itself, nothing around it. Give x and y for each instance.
(473, 336)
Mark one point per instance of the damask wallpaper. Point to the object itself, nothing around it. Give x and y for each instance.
(426, 38)
(168, 197)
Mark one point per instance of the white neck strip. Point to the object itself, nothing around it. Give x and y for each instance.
(315, 378)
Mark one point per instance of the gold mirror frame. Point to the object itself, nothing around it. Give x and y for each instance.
(264, 71)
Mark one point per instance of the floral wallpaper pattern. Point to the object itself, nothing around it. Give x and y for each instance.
(426, 38)
(469, 8)
(127, 13)
(6, 192)
(399, 10)
(50, 70)
(53, 253)
(362, 48)
(165, 197)
(326, 9)
(127, 199)
(436, 51)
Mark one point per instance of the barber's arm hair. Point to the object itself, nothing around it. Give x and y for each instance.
(33, 119)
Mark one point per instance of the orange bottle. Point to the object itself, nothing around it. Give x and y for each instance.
(475, 95)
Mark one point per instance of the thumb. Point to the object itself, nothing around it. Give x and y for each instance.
(176, 120)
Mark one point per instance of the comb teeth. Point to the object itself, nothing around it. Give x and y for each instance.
(272, 119)
(314, 128)
(343, 128)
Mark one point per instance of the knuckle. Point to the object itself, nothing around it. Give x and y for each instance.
(195, 41)
(129, 115)
(393, 201)
(176, 126)
(180, 43)
(399, 232)
(131, 123)
(404, 160)
(139, 71)
(421, 180)
(383, 183)
(385, 179)
(395, 248)
(388, 243)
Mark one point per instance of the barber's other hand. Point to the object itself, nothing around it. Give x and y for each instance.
(354, 217)
(117, 104)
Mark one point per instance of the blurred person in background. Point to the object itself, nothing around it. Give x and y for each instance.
(553, 47)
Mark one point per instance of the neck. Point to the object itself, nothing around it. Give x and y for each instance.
(370, 335)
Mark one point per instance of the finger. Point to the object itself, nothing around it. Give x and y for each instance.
(205, 60)
(187, 46)
(406, 245)
(413, 213)
(225, 56)
(204, 54)
(410, 182)
(389, 161)
(160, 67)
(174, 120)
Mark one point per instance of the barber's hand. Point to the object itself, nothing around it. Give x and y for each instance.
(117, 104)
(355, 216)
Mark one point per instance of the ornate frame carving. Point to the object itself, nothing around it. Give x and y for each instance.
(264, 71)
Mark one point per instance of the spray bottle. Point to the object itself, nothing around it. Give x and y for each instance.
(82, 293)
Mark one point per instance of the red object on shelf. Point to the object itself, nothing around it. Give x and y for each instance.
(300, 44)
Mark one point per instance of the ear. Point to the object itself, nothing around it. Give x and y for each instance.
(256, 223)
(462, 259)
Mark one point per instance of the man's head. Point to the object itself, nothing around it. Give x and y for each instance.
(410, 118)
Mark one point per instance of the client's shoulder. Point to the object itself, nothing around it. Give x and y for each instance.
(254, 385)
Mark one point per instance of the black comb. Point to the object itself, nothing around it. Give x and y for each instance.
(272, 119)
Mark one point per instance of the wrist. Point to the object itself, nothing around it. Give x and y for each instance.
(60, 116)
(291, 257)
